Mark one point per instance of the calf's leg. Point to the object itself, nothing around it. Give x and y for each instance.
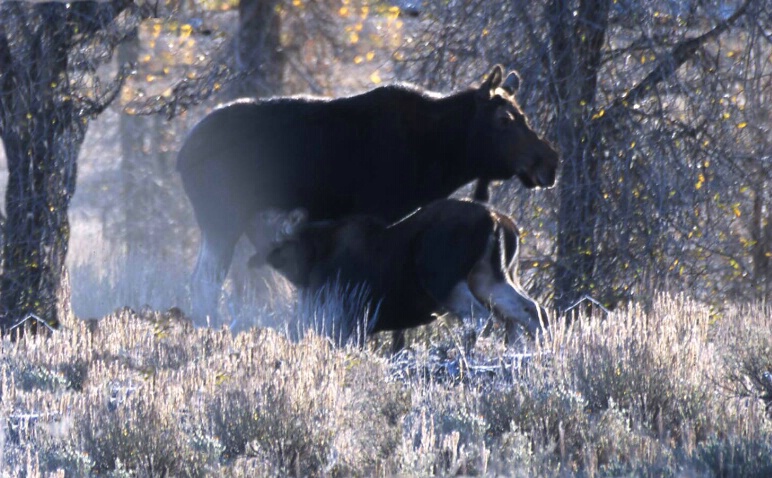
(489, 284)
(475, 315)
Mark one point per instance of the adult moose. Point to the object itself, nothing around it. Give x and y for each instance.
(449, 256)
(385, 153)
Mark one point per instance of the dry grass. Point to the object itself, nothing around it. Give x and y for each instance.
(672, 391)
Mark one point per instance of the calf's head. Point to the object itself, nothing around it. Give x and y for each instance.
(296, 255)
(501, 141)
(317, 251)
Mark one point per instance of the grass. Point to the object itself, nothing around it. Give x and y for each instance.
(670, 391)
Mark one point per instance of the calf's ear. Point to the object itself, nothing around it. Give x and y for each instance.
(493, 81)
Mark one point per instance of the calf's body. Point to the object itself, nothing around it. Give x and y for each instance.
(448, 256)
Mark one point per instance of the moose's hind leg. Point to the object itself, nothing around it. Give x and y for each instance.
(214, 260)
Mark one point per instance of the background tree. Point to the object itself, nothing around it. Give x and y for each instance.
(49, 89)
(665, 158)
(57, 73)
(258, 54)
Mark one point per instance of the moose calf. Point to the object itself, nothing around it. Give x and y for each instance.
(449, 256)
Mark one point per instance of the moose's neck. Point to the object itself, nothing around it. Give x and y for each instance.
(449, 121)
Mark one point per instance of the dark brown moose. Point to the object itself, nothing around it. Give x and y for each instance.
(449, 256)
(384, 153)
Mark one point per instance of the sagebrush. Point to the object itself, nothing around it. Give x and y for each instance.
(671, 391)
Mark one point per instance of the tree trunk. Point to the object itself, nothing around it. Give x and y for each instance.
(761, 237)
(41, 149)
(576, 47)
(259, 57)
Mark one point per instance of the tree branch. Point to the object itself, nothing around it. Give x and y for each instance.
(91, 16)
(6, 75)
(185, 94)
(678, 56)
(95, 107)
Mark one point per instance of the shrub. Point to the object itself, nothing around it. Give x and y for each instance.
(737, 457)
(748, 354)
(637, 393)
(655, 366)
(136, 426)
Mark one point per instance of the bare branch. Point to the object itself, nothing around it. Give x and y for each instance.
(185, 94)
(91, 16)
(682, 52)
(94, 107)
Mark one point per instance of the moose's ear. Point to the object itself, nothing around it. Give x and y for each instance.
(493, 81)
(512, 83)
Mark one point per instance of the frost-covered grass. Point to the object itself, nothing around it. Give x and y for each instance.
(671, 391)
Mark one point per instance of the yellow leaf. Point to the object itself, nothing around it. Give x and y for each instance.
(700, 181)
(726, 115)
(353, 37)
(376, 77)
(343, 12)
(370, 55)
(736, 210)
(221, 378)
(599, 114)
(185, 30)
(358, 59)
(742, 125)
